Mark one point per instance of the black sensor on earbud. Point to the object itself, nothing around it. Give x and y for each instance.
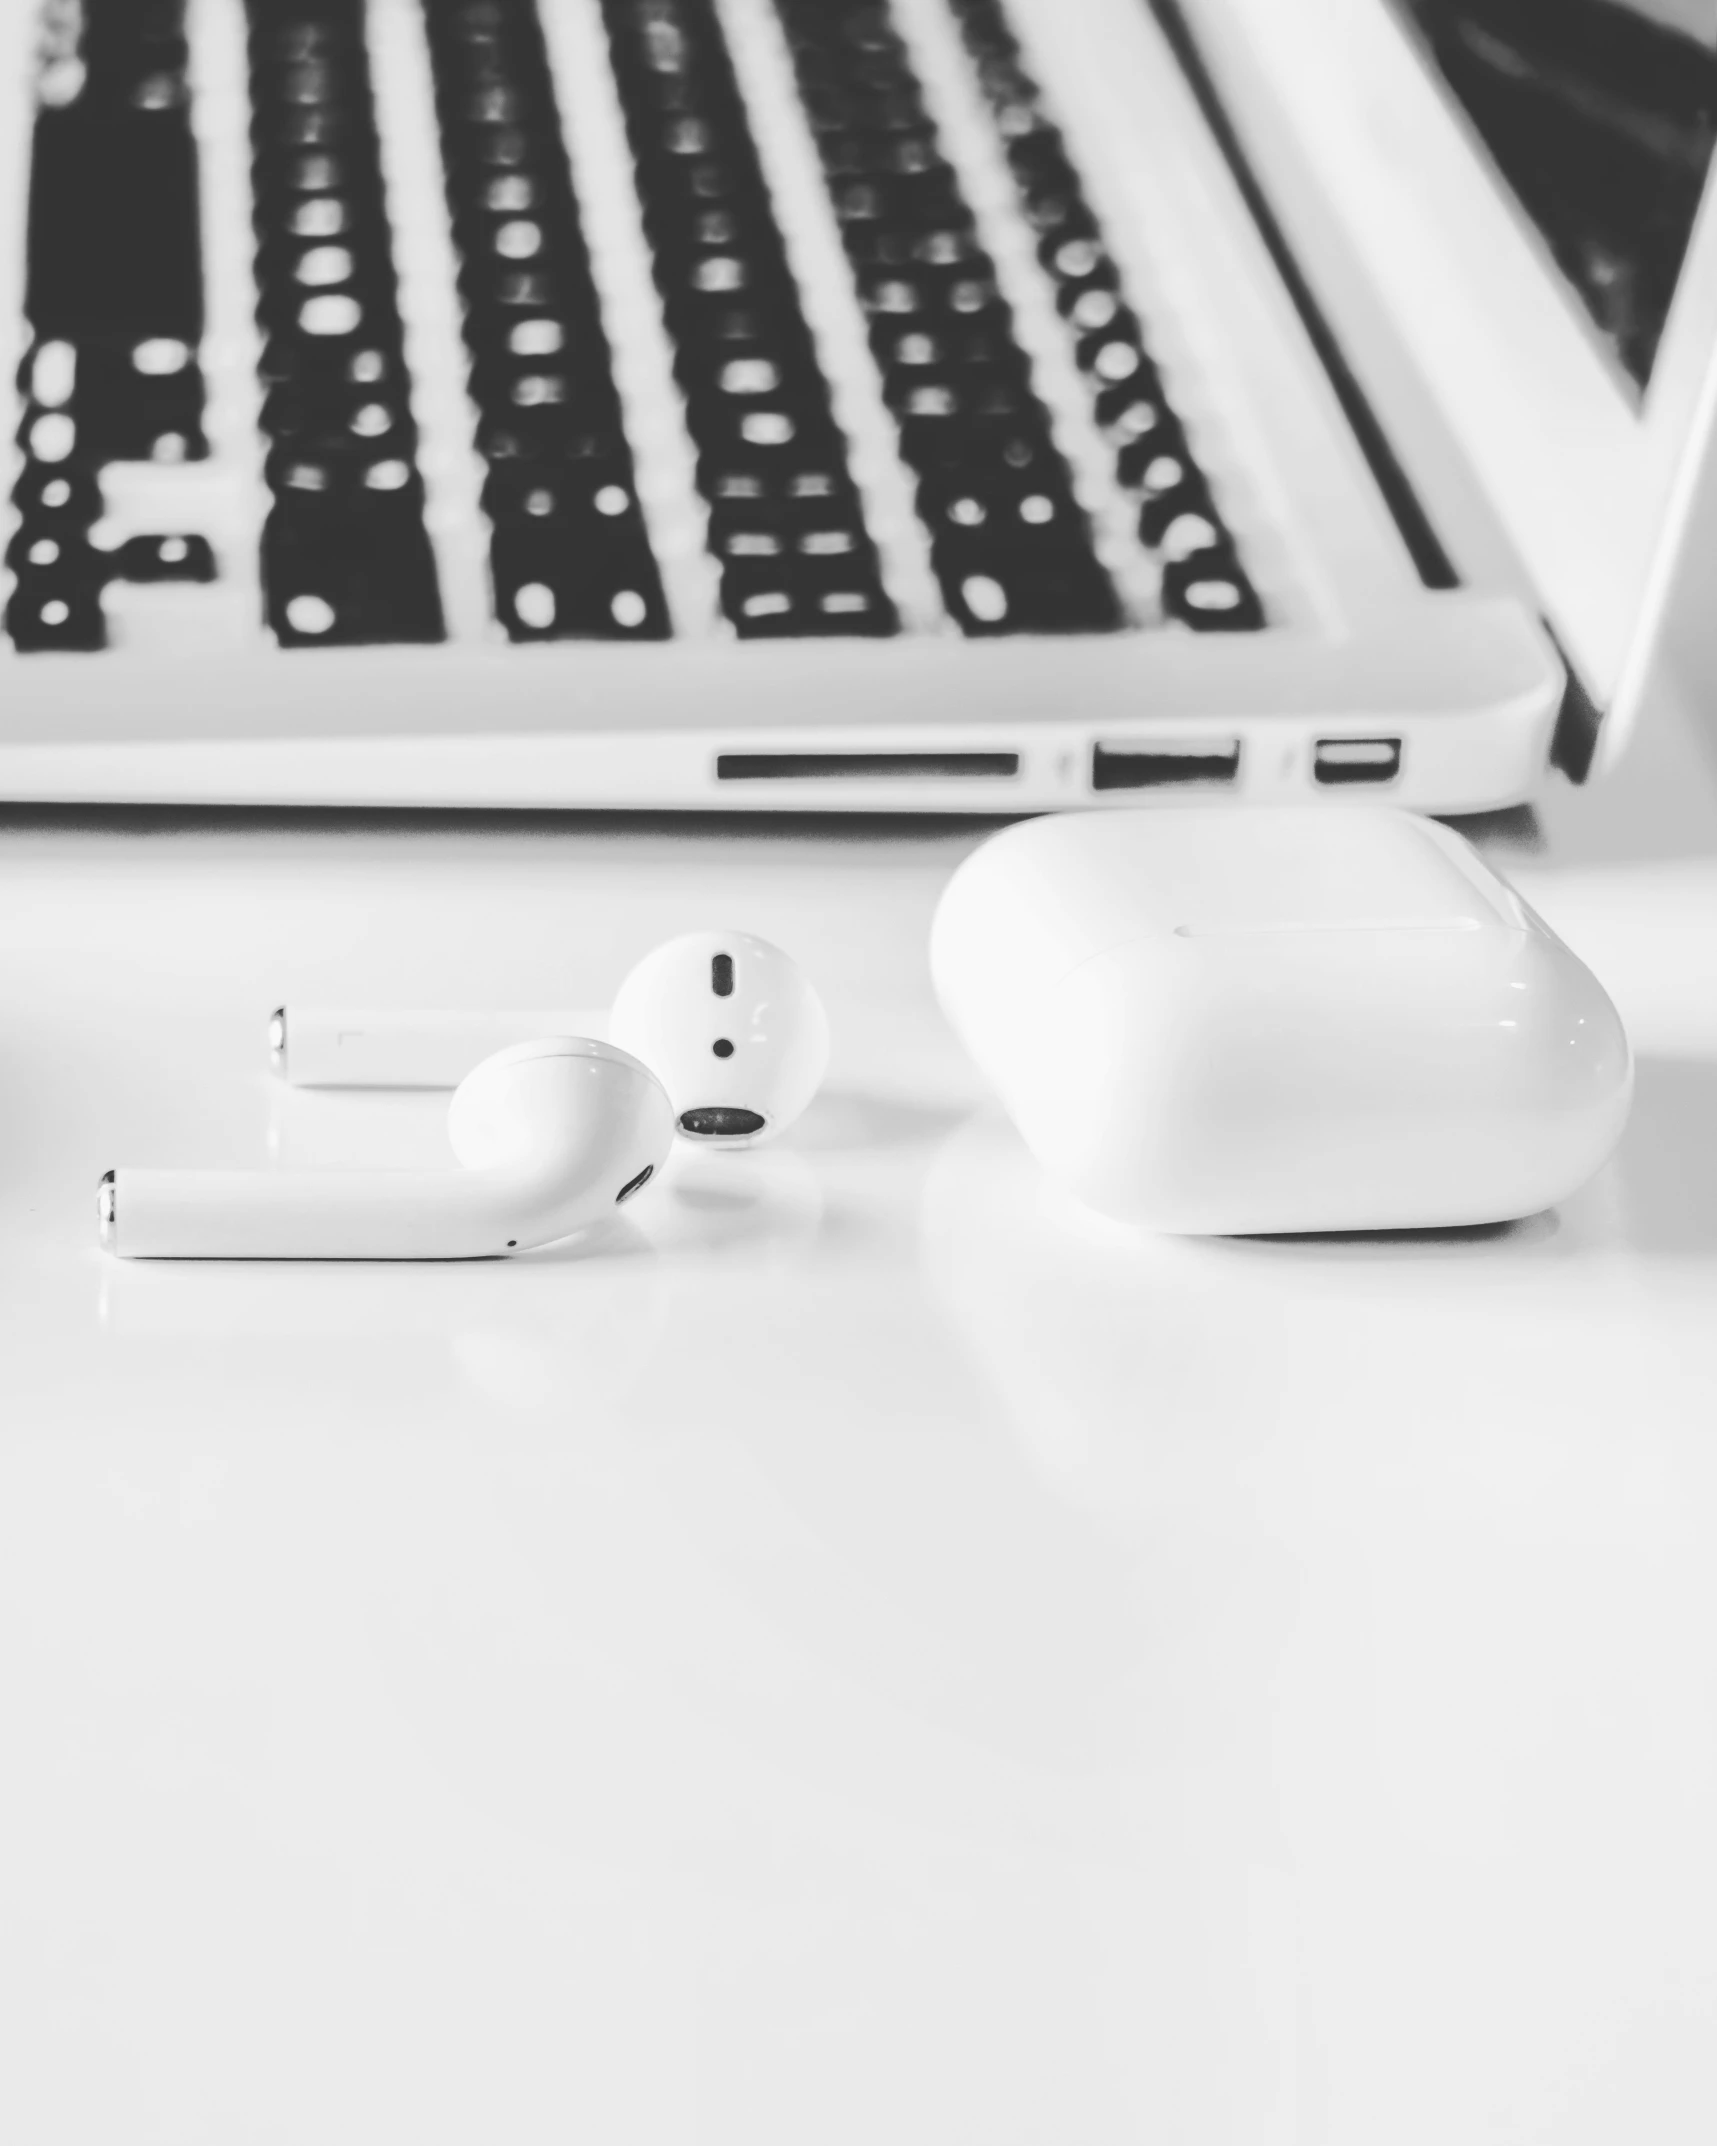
(721, 1122)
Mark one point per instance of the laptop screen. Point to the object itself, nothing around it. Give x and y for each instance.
(1601, 115)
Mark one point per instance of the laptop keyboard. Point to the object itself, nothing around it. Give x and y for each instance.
(1050, 486)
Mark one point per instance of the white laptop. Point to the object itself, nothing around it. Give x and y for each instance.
(989, 405)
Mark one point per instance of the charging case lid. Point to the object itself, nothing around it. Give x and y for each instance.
(1045, 895)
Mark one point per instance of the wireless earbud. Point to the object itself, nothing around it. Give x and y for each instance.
(730, 1024)
(734, 1029)
(551, 1135)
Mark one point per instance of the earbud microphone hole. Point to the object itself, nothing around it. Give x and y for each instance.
(723, 1049)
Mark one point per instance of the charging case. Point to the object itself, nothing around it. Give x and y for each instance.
(1253, 1020)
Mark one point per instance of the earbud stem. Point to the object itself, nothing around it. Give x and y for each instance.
(318, 1214)
(332, 1047)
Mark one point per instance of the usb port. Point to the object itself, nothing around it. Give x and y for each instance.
(1356, 760)
(1152, 767)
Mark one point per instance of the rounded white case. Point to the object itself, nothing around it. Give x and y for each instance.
(1255, 1021)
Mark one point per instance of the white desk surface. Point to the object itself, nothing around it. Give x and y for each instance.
(855, 1656)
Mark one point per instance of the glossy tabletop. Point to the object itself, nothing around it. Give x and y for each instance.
(855, 1652)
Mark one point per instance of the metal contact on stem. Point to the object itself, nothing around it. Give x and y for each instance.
(107, 1211)
(277, 1039)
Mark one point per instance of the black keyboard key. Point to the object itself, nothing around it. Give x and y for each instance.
(1004, 578)
(579, 576)
(45, 612)
(1207, 591)
(163, 558)
(346, 568)
(57, 499)
(32, 554)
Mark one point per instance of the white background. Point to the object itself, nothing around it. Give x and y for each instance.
(856, 1653)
